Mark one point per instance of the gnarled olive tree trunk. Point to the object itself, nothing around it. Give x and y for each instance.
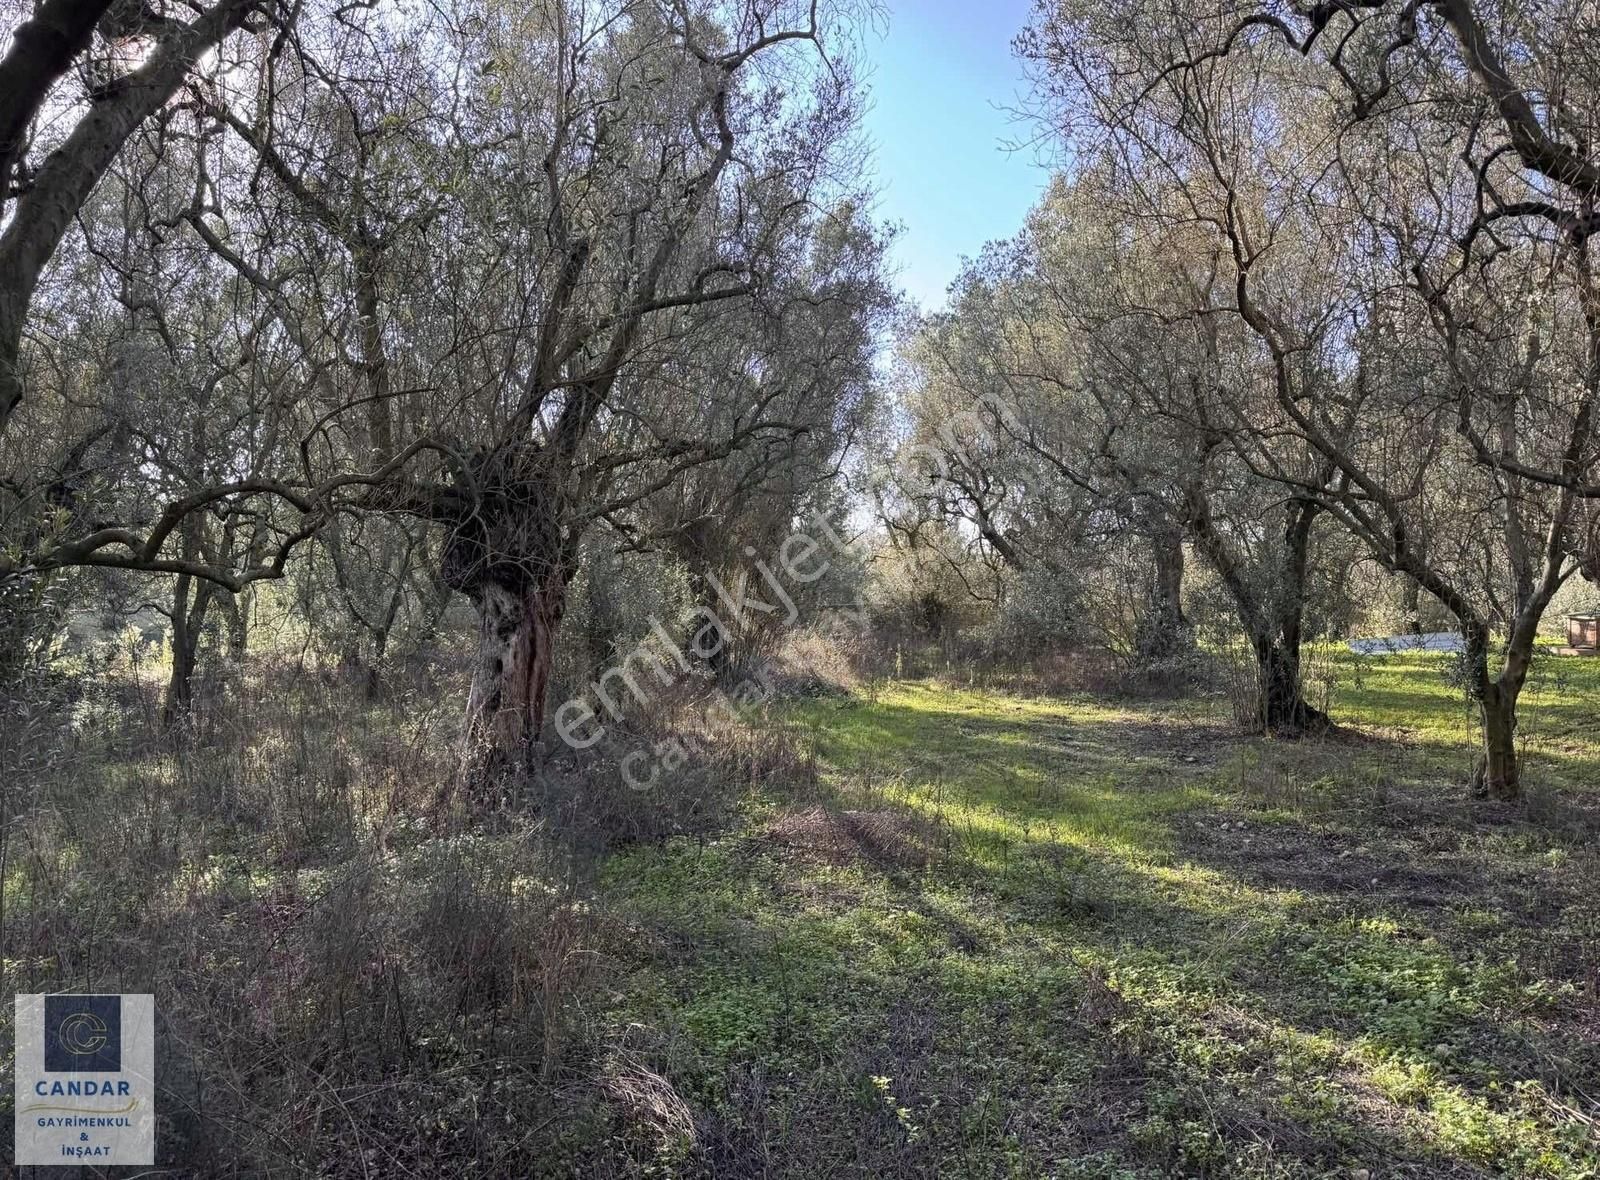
(717, 658)
(506, 709)
(1283, 707)
(1498, 774)
(513, 557)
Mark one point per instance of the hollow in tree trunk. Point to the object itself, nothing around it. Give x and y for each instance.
(512, 558)
(511, 683)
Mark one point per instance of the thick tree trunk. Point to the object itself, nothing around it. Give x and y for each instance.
(506, 710)
(1498, 775)
(1164, 630)
(180, 685)
(720, 659)
(514, 558)
(1284, 711)
(1274, 619)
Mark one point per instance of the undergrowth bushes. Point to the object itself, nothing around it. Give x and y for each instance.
(349, 982)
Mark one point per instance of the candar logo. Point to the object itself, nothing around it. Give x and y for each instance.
(83, 1086)
(83, 1034)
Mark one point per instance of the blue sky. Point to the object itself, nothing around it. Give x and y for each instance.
(944, 83)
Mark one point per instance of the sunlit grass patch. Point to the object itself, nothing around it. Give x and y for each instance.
(1142, 945)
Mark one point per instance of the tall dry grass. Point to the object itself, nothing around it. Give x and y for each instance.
(343, 989)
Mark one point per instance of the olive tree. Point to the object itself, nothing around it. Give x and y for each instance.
(464, 264)
(1102, 336)
(1403, 236)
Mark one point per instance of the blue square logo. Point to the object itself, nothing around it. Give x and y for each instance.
(83, 1034)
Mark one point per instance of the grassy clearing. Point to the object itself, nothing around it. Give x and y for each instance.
(1113, 940)
(919, 931)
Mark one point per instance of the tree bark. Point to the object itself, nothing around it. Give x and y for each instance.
(1411, 606)
(506, 708)
(188, 622)
(42, 50)
(238, 627)
(1272, 611)
(720, 659)
(1284, 711)
(180, 683)
(1498, 774)
(514, 555)
(1164, 630)
(41, 216)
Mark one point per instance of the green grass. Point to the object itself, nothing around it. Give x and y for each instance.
(1132, 943)
(990, 936)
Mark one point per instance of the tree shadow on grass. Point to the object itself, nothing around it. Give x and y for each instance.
(1357, 928)
(1049, 1041)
